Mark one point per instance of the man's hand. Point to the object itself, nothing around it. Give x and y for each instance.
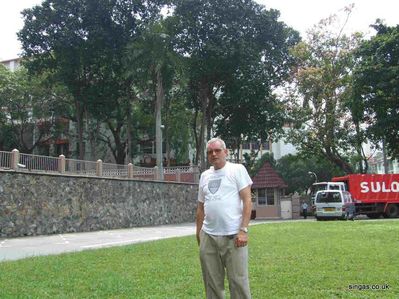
(241, 239)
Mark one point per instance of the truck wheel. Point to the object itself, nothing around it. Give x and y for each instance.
(392, 211)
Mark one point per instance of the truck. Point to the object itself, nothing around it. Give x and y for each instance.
(374, 195)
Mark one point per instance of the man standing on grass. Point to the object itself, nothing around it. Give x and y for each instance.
(223, 214)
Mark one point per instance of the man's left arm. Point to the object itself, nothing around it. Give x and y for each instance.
(245, 195)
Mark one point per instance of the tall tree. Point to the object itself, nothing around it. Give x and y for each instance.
(247, 108)
(152, 63)
(321, 87)
(219, 38)
(8, 140)
(376, 91)
(29, 110)
(178, 138)
(83, 42)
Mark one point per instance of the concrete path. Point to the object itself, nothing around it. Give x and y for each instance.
(18, 248)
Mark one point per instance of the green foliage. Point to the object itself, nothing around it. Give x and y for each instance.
(8, 140)
(247, 108)
(83, 44)
(152, 63)
(148, 54)
(294, 169)
(323, 125)
(376, 92)
(235, 51)
(254, 165)
(24, 99)
(327, 257)
(178, 118)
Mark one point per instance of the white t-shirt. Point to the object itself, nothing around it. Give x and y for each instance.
(219, 191)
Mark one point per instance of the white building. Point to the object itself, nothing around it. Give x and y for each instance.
(12, 64)
(279, 148)
(376, 164)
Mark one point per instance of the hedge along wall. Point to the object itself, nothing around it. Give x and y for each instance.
(38, 204)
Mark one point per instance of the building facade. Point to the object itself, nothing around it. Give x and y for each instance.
(376, 164)
(12, 64)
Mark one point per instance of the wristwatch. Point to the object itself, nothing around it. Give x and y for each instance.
(244, 229)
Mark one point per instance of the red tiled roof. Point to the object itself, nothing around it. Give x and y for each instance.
(267, 177)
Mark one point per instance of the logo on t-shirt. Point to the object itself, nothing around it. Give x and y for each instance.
(214, 185)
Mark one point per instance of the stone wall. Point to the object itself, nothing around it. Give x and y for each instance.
(37, 204)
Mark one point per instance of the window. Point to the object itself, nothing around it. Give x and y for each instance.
(266, 197)
(270, 196)
(328, 197)
(261, 196)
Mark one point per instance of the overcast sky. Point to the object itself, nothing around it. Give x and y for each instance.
(301, 15)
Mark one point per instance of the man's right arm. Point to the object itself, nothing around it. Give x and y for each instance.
(199, 219)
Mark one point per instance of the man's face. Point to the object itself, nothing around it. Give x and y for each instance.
(216, 155)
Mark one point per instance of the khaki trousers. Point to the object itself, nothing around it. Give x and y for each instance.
(217, 254)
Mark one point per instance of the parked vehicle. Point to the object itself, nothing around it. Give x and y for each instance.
(325, 186)
(320, 186)
(375, 195)
(332, 204)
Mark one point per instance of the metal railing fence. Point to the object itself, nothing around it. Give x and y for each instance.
(36, 163)
(5, 159)
(80, 167)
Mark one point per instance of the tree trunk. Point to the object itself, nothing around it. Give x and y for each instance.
(342, 164)
(166, 107)
(204, 99)
(79, 124)
(129, 132)
(167, 146)
(209, 112)
(158, 122)
(93, 138)
(195, 134)
(118, 147)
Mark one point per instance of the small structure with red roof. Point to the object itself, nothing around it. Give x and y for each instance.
(268, 188)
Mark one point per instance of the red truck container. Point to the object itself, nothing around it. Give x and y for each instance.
(375, 194)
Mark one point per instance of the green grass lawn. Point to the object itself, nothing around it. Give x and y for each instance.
(287, 260)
